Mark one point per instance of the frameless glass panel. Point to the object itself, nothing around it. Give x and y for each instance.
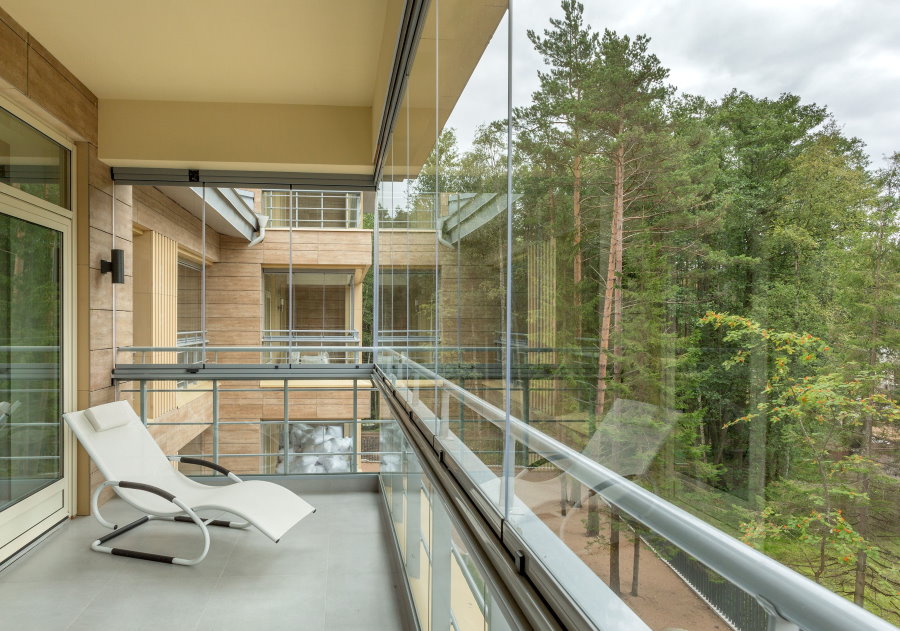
(697, 310)
(448, 589)
(471, 243)
(30, 384)
(32, 162)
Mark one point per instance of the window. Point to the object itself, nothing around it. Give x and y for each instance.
(190, 327)
(407, 303)
(32, 162)
(189, 281)
(318, 309)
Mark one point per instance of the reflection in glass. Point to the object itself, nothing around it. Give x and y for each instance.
(32, 162)
(30, 385)
(447, 586)
(408, 302)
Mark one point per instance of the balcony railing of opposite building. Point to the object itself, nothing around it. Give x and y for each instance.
(312, 209)
(293, 346)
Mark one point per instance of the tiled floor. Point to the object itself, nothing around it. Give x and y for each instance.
(332, 571)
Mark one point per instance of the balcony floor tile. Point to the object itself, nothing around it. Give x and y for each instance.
(332, 570)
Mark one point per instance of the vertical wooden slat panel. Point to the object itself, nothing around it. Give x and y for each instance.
(155, 307)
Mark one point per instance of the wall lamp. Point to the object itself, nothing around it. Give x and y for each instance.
(116, 266)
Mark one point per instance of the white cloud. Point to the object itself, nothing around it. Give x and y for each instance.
(841, 54)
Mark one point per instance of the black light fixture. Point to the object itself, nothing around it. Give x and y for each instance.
(116, 266)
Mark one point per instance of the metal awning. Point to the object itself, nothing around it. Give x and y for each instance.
(228, 212)
(470, 211)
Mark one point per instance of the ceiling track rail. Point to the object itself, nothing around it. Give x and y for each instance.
(140, 176)
(407, 41)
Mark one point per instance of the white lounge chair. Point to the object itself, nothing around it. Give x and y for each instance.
(139, 472)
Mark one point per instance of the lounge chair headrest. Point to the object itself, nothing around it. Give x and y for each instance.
(109, 415)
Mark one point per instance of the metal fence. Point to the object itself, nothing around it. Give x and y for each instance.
(733, 604)
(312, 209)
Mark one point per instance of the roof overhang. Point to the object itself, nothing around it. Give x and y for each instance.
(299, 86)
(227, 211)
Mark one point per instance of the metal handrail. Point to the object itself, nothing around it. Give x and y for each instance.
(781, 591)
(325, 335)
(289, 217)
(245, 349)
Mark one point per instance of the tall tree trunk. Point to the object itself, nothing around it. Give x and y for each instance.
(614, 267)
(602, 357)
(615, 525)
(578, 270)
(862, 561)
(636, 562)
(617, 247)
(757, 452)
(859, 589)
(593, 522)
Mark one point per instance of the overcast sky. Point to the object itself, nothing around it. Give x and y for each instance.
(841, 54)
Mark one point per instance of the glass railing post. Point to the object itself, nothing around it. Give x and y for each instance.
(215, 419)
(143, 401)
(287, 429)
(413, 517)
(354, 428)
(441, 556)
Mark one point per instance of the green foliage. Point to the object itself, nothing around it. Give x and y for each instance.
(822, 414)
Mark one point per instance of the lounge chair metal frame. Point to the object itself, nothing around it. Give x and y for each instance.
(190, 517)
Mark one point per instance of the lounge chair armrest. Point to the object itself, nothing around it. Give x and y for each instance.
(206, 463)
(149, 488)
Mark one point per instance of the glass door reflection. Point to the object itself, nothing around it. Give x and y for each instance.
(30, 359)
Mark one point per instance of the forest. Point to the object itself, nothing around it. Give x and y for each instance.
(733, 259)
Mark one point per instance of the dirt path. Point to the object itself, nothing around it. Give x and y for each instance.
(664, 601)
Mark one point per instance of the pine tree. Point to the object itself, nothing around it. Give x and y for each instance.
(562, 112)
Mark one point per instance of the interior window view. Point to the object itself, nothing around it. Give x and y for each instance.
(498, 315)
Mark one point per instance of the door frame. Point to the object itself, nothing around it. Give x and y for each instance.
(28, 519)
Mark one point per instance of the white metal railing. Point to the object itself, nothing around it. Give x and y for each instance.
(287, 452)
(391, 337)
(307, 341)
(238, 357)
(311, 336)
(294, 209)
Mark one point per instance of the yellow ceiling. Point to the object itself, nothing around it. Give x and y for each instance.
(312, 52)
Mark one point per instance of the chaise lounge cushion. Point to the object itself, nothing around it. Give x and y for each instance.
(109, 415)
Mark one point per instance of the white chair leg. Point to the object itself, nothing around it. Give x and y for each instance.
(190, 515)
